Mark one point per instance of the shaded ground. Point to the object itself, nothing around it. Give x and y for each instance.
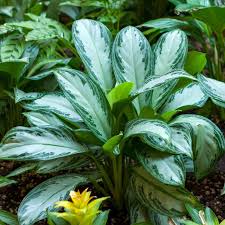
(11, 196)
(208, 191)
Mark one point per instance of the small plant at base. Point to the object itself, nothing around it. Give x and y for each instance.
(81, 211)
(202, 217)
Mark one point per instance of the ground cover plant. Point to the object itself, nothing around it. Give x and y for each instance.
(15, 10)
(23, 58)
(202, 217)
(125, 114)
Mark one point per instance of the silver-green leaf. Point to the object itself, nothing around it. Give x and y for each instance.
(132, 60)
(165, 23)
(181, 141)
(156, 163)
(88, 100)
(164, 199)
(93, 42)
(170, 53)
(214, 89)
(35, 143)
(189, 96)
(65, 163)
(54, 103)
(159, 81)
(34, 206)
(208, 141)
(155, 133)
(43, 119)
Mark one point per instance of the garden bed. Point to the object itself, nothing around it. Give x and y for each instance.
(207, 190)
(118, 91)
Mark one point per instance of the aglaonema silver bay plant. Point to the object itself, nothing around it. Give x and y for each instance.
(124, 115)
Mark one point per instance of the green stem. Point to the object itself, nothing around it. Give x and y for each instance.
(105, 176)
(222, 113)
(217, 63)
(118, 180)
(208, 56)
(98, 187)
(221, 54)
(62, 51)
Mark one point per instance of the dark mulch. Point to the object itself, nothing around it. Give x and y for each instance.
(208, 191)
(11, 196)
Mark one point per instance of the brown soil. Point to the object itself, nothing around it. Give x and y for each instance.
(11, 196)
(208, 191)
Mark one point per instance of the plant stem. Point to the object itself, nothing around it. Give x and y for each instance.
(98, 187)
(104, 174)
(118, 180)
(221, 54)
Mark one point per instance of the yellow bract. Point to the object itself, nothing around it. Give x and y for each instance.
(81, 211)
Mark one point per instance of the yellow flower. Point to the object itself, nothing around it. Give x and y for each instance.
(81, 211)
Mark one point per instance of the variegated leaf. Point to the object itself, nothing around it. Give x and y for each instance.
(188, 7)
(34, 206)
(30, 52)
(156, 163)
(22, 96)
(159, 81)
(132, 60)
(22, 143)
(93, 42)
(181, 141)
(155, 133)
(8, 218)
(12, 47)
(66, 163)
(41, 28)
(43, 119)
(187, 97)
(208, 141)
(170, 53)
(22, 169)
(4, 181)
(54, 103)
(165, 23)
(158, 219)
(137, 212)
(88, 100)
(164, 199)
(214, 89)
(45, 66)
